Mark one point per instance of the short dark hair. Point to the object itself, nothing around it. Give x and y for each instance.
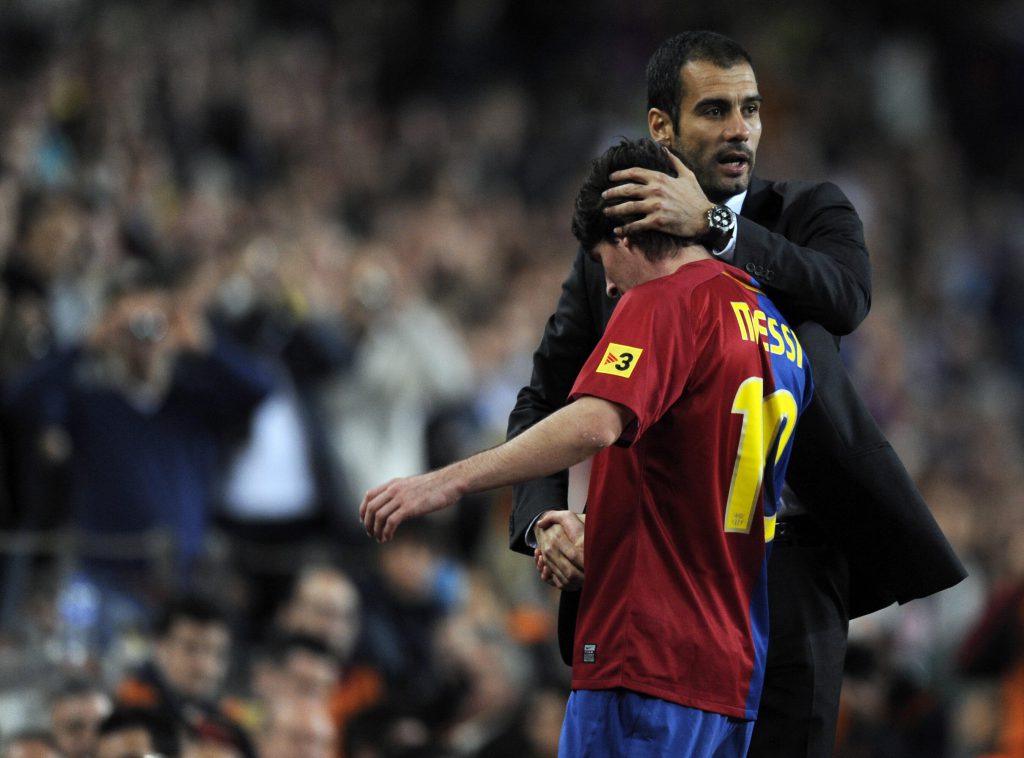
(198, 608)
(664, 69)
(136, 275)
(282, 644)
(74, 687)
(590, 225)
(162, 729)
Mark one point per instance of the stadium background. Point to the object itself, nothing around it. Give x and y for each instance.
(404, 170)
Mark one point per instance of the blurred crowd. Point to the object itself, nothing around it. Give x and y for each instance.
(258, 257)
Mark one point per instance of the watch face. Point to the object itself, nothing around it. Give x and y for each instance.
(721, 218)
(721, 222)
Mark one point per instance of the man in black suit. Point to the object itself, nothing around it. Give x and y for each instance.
(854, 534)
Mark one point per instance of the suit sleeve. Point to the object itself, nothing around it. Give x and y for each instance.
(570, 335)
(815, 266)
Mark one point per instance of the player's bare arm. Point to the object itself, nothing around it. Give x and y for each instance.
(566, 437)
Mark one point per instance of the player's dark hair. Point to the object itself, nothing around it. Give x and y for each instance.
(664, 69)
(590, 225)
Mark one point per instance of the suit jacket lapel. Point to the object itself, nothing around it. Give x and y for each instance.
(762, 205)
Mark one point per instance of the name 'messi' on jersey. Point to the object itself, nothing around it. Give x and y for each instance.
(775, 336)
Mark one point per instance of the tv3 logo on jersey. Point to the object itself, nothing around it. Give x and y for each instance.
(619, 360)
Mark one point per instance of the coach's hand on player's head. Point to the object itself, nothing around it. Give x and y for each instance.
(385, 507)
(559, 552)
(671, 204)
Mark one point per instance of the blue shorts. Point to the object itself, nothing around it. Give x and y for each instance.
(613, 723)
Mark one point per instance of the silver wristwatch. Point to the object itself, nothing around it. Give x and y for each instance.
(721, 227)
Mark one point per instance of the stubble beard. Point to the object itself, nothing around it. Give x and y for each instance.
(716, 188)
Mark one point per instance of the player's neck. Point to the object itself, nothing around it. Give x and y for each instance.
(690, 254)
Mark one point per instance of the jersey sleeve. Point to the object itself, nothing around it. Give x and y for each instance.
(643, 360)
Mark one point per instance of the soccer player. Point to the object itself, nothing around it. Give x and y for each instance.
(689, 403)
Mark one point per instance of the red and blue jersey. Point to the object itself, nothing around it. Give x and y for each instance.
(681, 512)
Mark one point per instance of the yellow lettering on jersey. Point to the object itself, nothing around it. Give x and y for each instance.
(793, 350)
(759, 327)
(774, 336)
(742, 311)
(790, 344)
(619, 360)
(777, 347)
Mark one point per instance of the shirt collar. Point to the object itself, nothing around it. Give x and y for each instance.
(735, 203)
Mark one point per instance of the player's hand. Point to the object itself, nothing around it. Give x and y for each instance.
(559, 553)
(388, 505)
(674, 205)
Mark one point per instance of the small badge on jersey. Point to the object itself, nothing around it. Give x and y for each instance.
(590, 653)
(619, 360)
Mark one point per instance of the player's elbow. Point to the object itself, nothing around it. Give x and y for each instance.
(602, 425)
(599, 438)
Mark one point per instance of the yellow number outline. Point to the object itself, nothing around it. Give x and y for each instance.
(768, 424)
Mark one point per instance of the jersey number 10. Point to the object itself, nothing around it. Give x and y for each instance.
(768, 424)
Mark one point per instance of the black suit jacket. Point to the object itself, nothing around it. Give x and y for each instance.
(805, 244)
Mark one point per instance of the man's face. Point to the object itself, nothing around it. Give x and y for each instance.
(326, 605)
(309, 675)
(298, 728)
(719, 126)
(193, 657)
(75, 721)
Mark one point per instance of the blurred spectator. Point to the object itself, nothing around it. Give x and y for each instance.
(209, 749)
(473, 648)
(131, 732)
(30, 744)
(483, 704)
(41, 294)
(48, 298)
(140, 409)
(414, 615)
(184, 678)
(325, 604)
(281, 485)
(416, 589)
(301, 666)
(994, 651)
(536, 727)
(298, 728)
(76, 710)
(289, 666)
(888, 715)
(409, 364)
